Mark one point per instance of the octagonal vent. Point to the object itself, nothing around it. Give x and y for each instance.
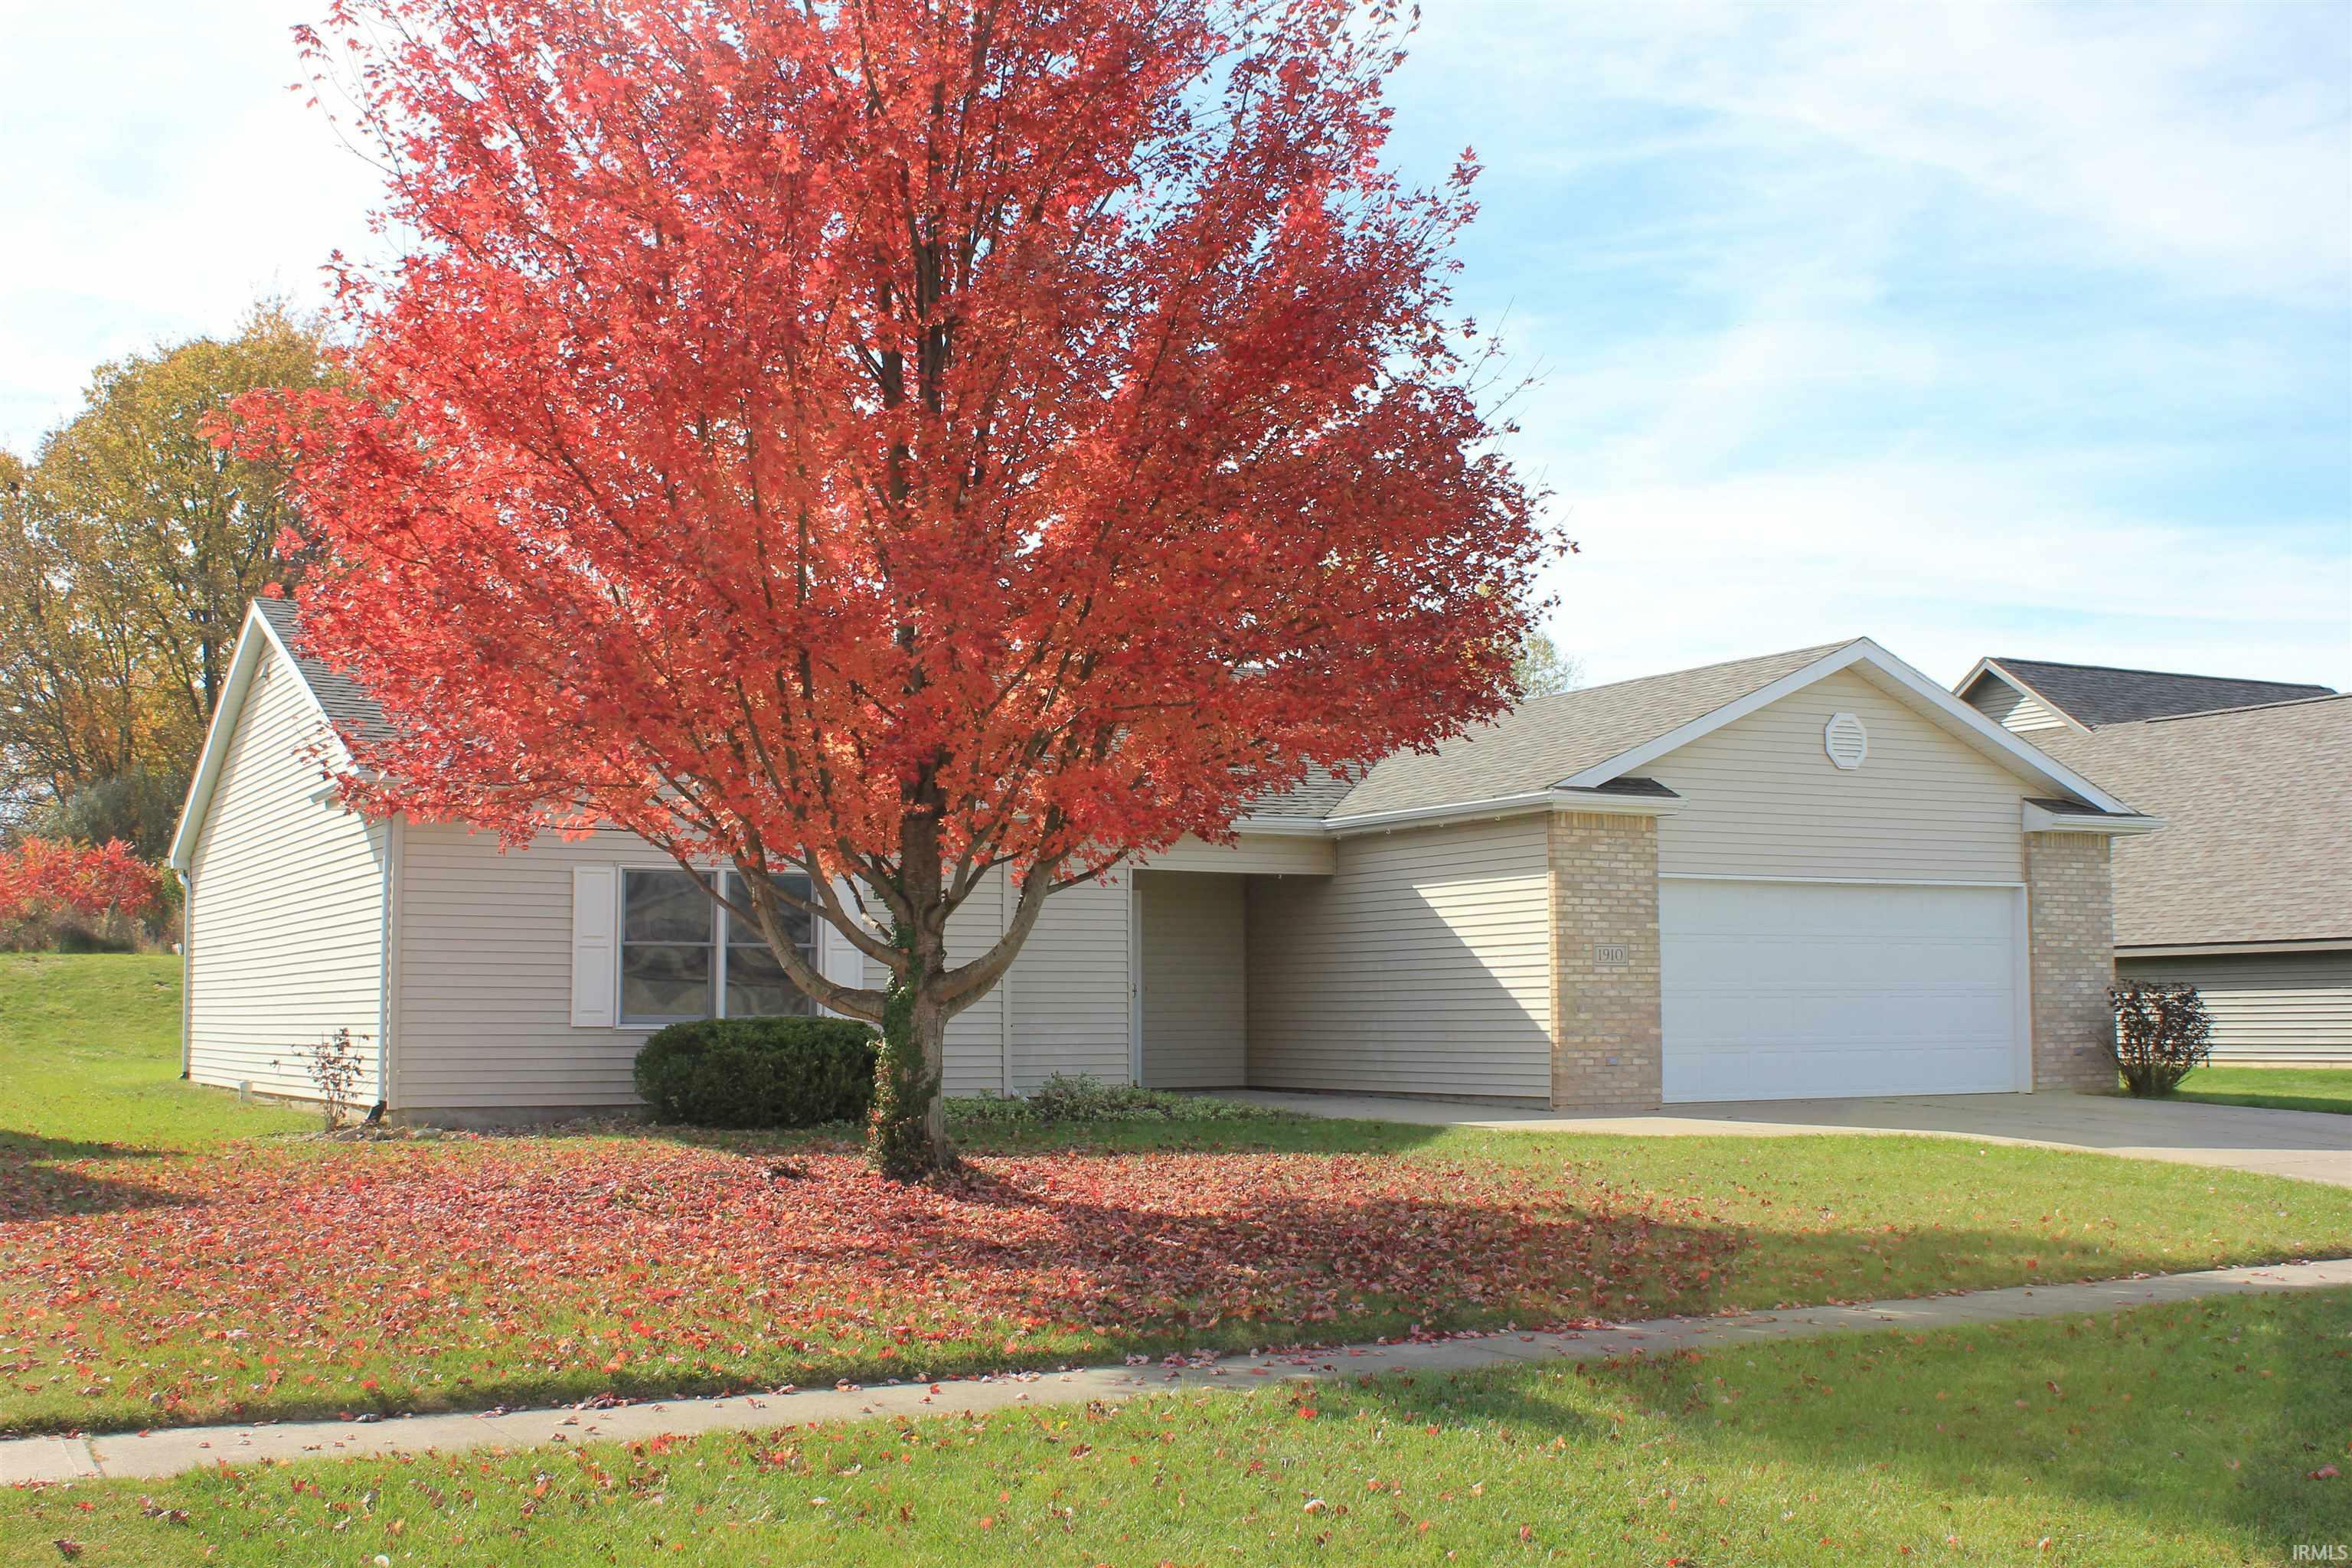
(1845, 741)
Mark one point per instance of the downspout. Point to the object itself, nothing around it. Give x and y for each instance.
(187, 968)
(388, 964)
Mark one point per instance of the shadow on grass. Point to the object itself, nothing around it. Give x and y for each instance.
(36, 1190)
(2104, 1410)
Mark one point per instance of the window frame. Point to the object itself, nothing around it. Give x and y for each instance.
(723, 937)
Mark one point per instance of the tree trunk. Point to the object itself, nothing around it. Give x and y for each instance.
(907, 1132)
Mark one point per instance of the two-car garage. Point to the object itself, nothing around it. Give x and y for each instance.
(1783, 989)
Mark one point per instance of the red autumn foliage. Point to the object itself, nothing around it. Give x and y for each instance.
(539, 1268)
(43, 877)
(899, 440)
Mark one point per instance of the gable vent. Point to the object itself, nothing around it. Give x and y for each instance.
(1845, 741)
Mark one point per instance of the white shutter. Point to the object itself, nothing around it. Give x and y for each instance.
(596, 954)
(837, 958)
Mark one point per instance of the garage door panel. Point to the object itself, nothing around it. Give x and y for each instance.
(1774, 990)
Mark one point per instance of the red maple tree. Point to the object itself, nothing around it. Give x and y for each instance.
(896, 439)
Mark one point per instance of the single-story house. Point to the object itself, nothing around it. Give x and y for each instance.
(1812, 873)
(2247, 893)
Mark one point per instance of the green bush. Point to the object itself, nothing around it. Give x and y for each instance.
(1067, 1098)
(758, 1072)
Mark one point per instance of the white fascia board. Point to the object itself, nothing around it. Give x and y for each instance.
(2229, 948)
(2026, 758)
(1453, 811)
(1505, 805)
(1279, 827)
(2040, 819)
(252, 637)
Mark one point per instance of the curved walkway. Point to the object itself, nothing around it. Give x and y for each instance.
(149, 1455)
(2314, 1145)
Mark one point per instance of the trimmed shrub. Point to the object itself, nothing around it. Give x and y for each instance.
(760, 1072)
(1066, 1096)
(2162, 1034)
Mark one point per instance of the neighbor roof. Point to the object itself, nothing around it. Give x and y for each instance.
(2258, 807)
(2096, 694)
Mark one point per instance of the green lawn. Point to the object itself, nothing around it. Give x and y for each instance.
(89, 1062)
(2274, 1089)
(2189, 1434)
(165, 1259)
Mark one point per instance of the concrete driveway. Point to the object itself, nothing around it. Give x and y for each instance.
(2314, 1145)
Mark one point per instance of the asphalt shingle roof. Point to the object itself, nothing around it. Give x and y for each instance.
(348, 708)
(1309, 800)
(1547, 739)
(2257, 805)
(2092, 694)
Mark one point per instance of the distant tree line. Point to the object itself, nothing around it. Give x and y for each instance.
(129, 545)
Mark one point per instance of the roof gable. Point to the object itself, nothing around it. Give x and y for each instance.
(1546, 740)
(1585, 740)
(259, 640)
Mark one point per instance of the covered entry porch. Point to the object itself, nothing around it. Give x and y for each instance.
(1190, 964)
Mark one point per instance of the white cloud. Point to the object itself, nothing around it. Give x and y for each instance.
(1941, 564)
(161, 177)
(2205, 142)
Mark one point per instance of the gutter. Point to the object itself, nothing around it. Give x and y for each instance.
(1608, 803)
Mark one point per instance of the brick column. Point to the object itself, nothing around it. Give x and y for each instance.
(2070, 907)
(1604, 1026)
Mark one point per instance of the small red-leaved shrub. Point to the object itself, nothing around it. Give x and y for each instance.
(2162, 1032)
(43, 880)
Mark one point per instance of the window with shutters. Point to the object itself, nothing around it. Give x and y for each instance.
(684, 956)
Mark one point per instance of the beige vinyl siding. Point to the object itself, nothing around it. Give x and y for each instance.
(1422, 965)
(1194, 961)
(285, 907)
(1761, 798)
(1064, 1007)
(2017, 711)
(978, 1050)
(2276, 1008)
(486, 975)
(1281, 853)
(1072, 1003)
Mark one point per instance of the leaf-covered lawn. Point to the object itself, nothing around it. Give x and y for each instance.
(163, 1262)
(299, 1278)
(2176, 1436)
(415, 1275)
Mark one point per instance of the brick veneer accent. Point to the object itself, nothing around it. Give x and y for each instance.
(2069, 902)
(1605, 1052)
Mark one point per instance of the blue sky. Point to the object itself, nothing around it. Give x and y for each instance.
(2020, 330)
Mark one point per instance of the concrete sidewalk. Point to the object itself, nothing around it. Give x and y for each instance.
(2314, 1146)
(151, 1454)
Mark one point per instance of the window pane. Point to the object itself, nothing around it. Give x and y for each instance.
(756, 986)
(665, 980)
(664, 906)
(799, 925)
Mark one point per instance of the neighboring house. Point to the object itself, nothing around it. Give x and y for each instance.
(1814, 873)
(2248, 892)
(2031, 696)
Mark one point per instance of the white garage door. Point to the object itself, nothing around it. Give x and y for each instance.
(1786, 989)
